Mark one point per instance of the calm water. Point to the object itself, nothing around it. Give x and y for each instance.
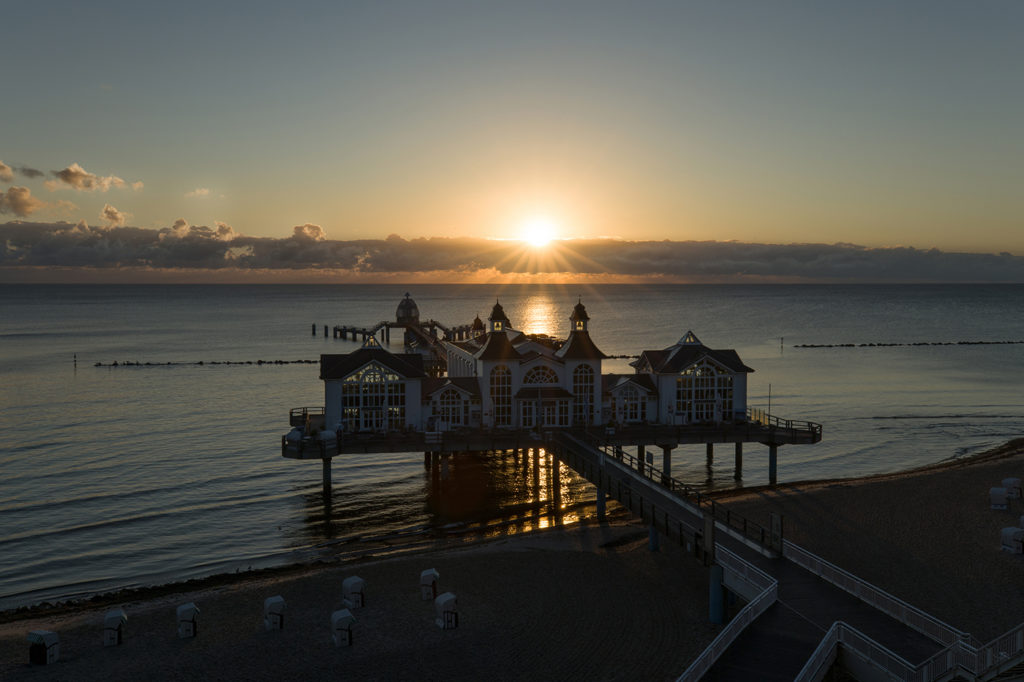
(126, 476)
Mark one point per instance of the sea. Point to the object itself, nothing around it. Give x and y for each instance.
(168, 465)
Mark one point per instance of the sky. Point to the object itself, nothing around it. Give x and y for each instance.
(230, 136)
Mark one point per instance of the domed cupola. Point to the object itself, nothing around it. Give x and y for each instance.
(579, 317)
(407, 312)
(498, 319)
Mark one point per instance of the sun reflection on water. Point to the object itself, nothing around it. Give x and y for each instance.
(540, 316)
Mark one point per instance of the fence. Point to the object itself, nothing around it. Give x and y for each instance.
(769, 594)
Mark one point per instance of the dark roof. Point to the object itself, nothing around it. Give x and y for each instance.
(536, 392)
(469, 384)
(408, 365)
(579, 312)
(579, 346)
(498, 347)
(614, 381)
(498, 313)
(675, 359)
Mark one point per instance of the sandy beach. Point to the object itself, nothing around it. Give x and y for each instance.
(588, 602)
(584, 602)
(928, 536)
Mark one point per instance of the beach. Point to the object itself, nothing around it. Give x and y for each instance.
(927, 536)
(588, 601)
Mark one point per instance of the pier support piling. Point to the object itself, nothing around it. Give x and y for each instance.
(716, 595)
(738, 472)
(327, 478)
(601, 512)
(314, 329)
(711, 454)
(641, 455)
(653, 540)
(773, 463)
(666, 463)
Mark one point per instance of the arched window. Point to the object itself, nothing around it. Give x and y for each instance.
(541, 375)
(373, 399)
(501, 395)
(583, 392)
(704, 393)
(451, 407)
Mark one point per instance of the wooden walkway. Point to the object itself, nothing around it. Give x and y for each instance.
(778, 643)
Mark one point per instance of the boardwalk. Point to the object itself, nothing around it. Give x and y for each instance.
(778, 643)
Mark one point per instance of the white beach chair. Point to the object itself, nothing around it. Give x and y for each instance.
(341, 627)
(999, 498)
(446, 611)
(43, 647)
(428, 584)
(113, 627)
(353, 591)
(1012, 540)
(188, 624)
(273, 613)
(1012, 486)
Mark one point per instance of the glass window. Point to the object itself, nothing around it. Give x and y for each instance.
(501, 395)
(583, 392)
(541, 375)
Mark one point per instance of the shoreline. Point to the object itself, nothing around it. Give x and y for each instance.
(382, 547)
(530, 607)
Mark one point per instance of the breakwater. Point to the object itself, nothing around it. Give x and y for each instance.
(911, 343)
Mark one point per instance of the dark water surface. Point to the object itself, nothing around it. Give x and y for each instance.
(126, 476)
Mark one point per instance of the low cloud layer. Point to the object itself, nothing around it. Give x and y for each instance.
(199, 247)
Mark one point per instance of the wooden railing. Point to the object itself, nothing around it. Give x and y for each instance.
(738, 523)
(768, 589)
(758, 416)
(909, 615)
(961, 653)
(297, 415)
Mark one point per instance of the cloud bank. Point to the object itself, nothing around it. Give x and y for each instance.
(197, 249)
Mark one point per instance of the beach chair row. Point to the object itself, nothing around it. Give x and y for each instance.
(44, 645)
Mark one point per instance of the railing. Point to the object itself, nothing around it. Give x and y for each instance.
(857, 643)
(910, 616)
(297, 415)
(769, 594)
(759, 416)
(736, 522)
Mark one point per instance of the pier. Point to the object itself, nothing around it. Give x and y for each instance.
(500, 390)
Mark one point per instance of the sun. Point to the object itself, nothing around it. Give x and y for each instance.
(538, 230)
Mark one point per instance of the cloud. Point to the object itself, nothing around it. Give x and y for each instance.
(20, 202)
(198, 192)
(112, 216)
(6, 174)
(197, 247)
(30, 172)
(309, 232)
(82, 180)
